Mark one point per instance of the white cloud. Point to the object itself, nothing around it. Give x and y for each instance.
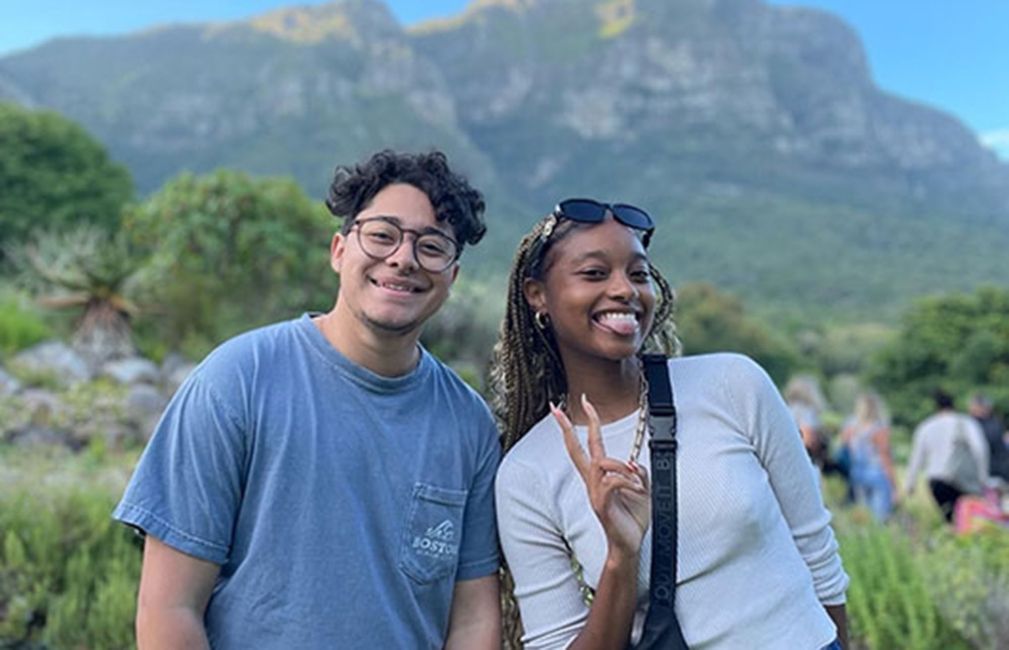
(997, 141)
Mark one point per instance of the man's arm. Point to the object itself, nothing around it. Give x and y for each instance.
(174, 590)
(475, 620)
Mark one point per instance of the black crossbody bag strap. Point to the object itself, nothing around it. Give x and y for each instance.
(662, 629)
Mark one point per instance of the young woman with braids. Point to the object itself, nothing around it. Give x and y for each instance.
(758, 563)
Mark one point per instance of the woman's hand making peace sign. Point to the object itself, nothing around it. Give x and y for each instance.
(618, 491)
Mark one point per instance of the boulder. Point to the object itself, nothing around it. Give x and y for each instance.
(8, 385)
(174, 371)
(37, 436)
(39, 406)
(133, 370)
(52, 361)
(144, 405)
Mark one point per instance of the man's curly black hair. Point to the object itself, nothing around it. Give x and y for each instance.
(451, 195)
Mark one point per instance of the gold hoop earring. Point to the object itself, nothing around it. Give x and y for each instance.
(542, 320)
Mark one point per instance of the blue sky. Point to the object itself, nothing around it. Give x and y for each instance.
(952, 54)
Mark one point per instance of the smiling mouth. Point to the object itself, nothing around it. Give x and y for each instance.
(397, 287)
(622, 323)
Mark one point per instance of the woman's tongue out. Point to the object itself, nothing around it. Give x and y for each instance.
(620, 323)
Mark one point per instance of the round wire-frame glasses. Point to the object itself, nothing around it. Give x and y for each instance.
(380, 237)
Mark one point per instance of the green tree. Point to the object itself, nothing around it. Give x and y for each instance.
(710, 320)
(54, 174)
(959, 342)
(229, 252)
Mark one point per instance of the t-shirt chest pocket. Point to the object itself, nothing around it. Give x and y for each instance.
(430, 547)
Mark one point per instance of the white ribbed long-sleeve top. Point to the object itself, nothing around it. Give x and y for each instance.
(757, 557)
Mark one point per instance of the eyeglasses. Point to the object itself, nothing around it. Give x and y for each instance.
(380, 237)
(592, 211)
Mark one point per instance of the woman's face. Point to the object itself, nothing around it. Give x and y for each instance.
(597, 291)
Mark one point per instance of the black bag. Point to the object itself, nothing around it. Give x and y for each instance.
(662, 630)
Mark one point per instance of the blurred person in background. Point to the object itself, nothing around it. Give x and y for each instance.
(805, 401)
(867, 437)
(949, 448)
(994, 432)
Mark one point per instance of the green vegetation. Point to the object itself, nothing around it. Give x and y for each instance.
(208, 256)
(916, 585)
(20, 325)
(959, 342)
(228, 252)
(710, 320)
(54, 174)
(68, 573)
(87, 270)
(889, 603)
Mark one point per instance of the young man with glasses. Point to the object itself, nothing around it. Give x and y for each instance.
(325, 482)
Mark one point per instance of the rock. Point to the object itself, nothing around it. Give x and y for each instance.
(8, 385)
(36, 420)
(172, 362)
(174, 371)
(53, 362)
(38, 435)
(133, 370)
(144, 405)
(39, 406)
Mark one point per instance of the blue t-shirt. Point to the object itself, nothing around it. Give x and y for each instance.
(341, 505)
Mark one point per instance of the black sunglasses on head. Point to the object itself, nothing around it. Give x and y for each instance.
(592, 211)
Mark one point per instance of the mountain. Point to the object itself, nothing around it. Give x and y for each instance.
(756, 135)
(716, 93)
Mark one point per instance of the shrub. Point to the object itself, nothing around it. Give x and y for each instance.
(959, 342)
(969, 579)
(229, 252)
(889, 601)
(20, 326)
(68, 573)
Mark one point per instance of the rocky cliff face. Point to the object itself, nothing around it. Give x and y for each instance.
(288, 92)
(741, 92)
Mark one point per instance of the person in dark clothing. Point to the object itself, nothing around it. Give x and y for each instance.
(994, 433)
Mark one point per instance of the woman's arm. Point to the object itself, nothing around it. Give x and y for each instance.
(612, 611)
(839, 615)
(621, 499)
(768, 423)
(881, 440)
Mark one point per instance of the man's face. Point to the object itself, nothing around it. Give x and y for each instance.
(978, 410)
(394, 295)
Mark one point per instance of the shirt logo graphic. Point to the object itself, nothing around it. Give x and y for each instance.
(437, 541)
